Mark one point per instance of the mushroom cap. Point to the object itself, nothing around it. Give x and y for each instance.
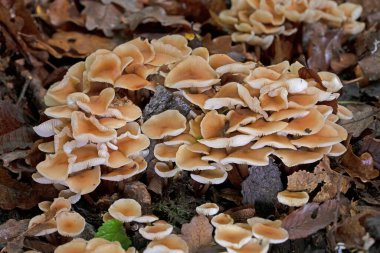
(293, 198)
(214, 176)
(48, 128)
(310, 124)
(295, 157)
(90, 129)
(57, 161)
(337, 150)
(72, 197)
(148, 218)
(227, 96)
(167, 123)
(59, 204)
(113, 247)
(258, 220)
(327, 136)
(288, 114)
(183, 138)
(84, 181)
(330, 81)
(344, 113)
(274, 235)
(215, 155)
(77, 245)
(98, 105)
(145, 48)
(238, 118)
(96, 242)
(252, 246)
(190, 161)
(169, 49)
(44, 206)
(137, 166)
(170, 244)
(198, 99)
(70, 223)
(85, 157)
(157, 231)
(221, 220)
(262, 127)
(234, 140)
(125, 210)
(104, 66)
(199, 148)
(164, 170)
(232, 236)
(165, 153)
(273, 140)
(49, 226)
(257, 157)
(207, 209)
(194, 71)
(132, 82)
(212, 124)
(59, 111)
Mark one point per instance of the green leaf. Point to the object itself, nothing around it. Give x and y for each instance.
(113, 230)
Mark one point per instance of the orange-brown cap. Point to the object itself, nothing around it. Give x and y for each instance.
(170, 244)
(70, 223)
(125, 210)
(232, 236)
(167, 123)
(158, 231)
(293, 198)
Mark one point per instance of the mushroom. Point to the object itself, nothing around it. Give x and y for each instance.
(293, 198)
(76, 245)
(252, 246)
(70, 223)
(125, 210)
(257, 157)
(171, 243)
(207, 209)
(273, 234)
(190, 161)
(84, 181)
(221, 220)
(232, 236)
(295, 157)
(158, 231)
(167, 123)
(165, 170)
(213, 176)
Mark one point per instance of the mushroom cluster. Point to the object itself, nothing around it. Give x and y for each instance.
(93, 130)
(95, 245)
(57, 217)
(247, 113)
(256, 22)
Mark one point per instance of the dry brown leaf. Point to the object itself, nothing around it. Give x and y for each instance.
(197, 233)
(372, 146)
(309, 219)
(14, 133)
(223, 45)
(242, 213)
(12, 229)
(63, 11)
(138, 191)
(332, 181)
(361, 167)
(307, 73)
(25, 196)
(364, 116)
(154, 14)
(75, 44)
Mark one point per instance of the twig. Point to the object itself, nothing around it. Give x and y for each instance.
(24, 88)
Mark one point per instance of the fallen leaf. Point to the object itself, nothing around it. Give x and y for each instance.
(343, 61)
(241, 213)
(309, 219)
(197, 233)
(307, 73)
(105, 17)
(260, 188)
(14, 133)
(361, 167)
(364, 116)
(63, 11)
(12, 229)
(25, 196)
(223, 45)
(372, 146)
(138, 191)
(322, 174)
(154, 14)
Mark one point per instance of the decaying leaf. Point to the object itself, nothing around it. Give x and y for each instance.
(260, 188)
(372, 146)
(12, 229)
(63, 11)
(223, 45)
(197, 233)
(309, 219)
(154, 14)
(307, 73)
(241, 213)
(364, 116)
(14, 133)
(361, 167)
(25, 196)
(309, 181)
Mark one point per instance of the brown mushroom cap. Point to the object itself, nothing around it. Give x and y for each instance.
(167, 123)
(288, 114)
(146, 218)
(165, 170)
(59, 111)
(262, 127)
(227, 96)
(85, 157)
(295, 157)
(70, 223)
(194, 71)
(165, 153)
(103, 66)
(274, 235)
(212, 124)
(273, 140)
(57, 161)
(90, 129)
(59, 204)
(125, 210)
(221, 220)
(190, 161)
(327, 136)
(157, 231)
(75, 246)
(258, 157)
(184, 138)
(232, 236)
(49, 226)
(207, 209)
(256, 220)
(344, 113)
(238, 118)
(214, 176)
(293, 198)
(113, 247)
(98, 105)
(137, 166)
(253, 246)
(310, 124)
(337, 150)
(132, 82)
(84, 181)
(171, 243)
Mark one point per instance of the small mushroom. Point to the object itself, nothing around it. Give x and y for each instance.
(273, 234)
(171, 244)
(221, 219)
(70, 223)
(207, 209)
(293, 198)
(125, 210)
(232, 236)
(252, 246)
(76, 245)
(158, 231)
(214, 176)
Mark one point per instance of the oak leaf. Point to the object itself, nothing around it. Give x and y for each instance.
(197, 233)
